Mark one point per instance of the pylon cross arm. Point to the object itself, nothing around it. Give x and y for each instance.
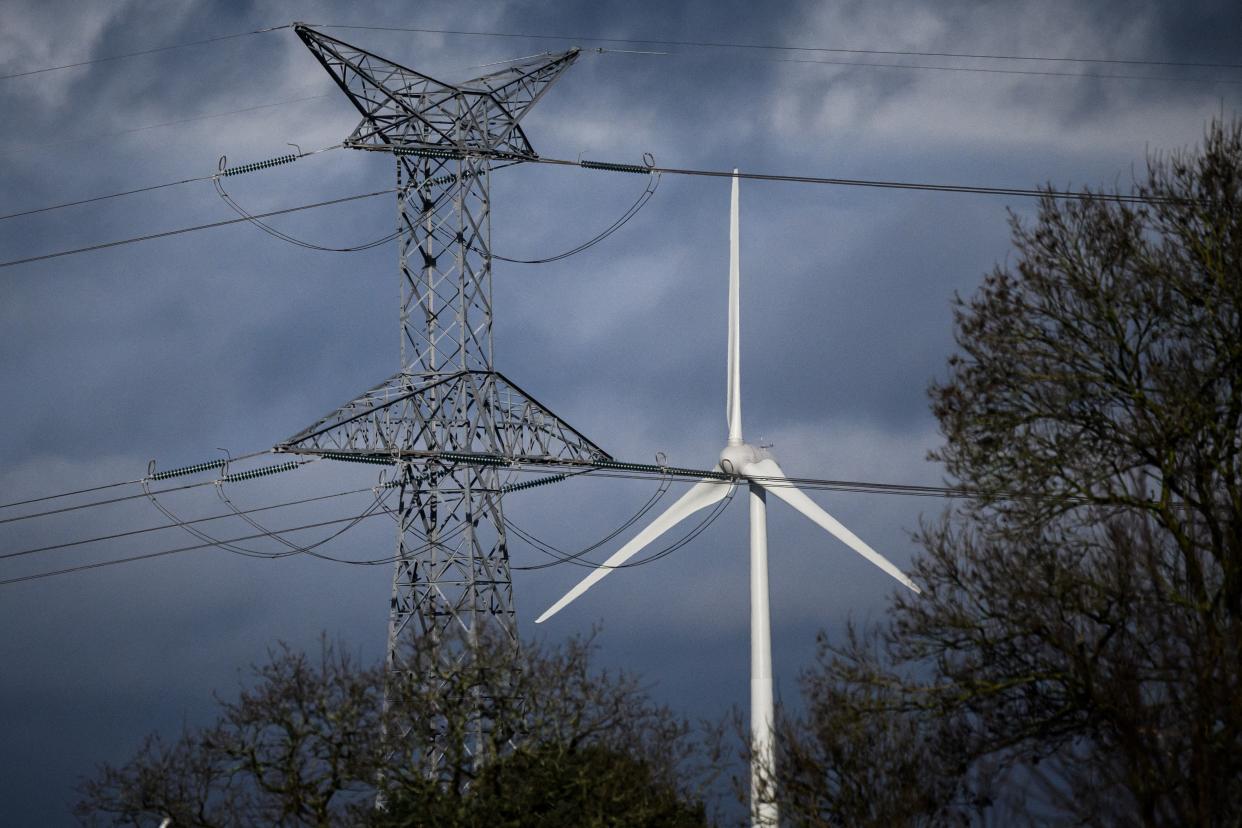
(405, 109)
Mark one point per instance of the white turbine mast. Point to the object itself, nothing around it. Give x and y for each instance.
(752, 464)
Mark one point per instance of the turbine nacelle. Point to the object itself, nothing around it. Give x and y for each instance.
(736, 458)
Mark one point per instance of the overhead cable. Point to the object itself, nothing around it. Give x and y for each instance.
(197, 227)
(653, 181)
(450, 535)
(70, 494)
(283, 236)
(79, 506)
(143, 52)
(797, 179)
(575, 558)
(104, 197)
(1021, 192)
(118, 133)
(562, 557)
(784, 48)
(988, 70)
(225, 477)
(164, 552)
(226, 171)
(229, 544)
(177, 524)
(708, 44)
(630, 470)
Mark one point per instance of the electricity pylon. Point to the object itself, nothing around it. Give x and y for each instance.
(447, 400)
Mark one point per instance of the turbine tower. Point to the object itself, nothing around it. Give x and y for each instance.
(447, 401)
(752, 465)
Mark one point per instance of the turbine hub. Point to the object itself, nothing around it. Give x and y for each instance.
(737, 457)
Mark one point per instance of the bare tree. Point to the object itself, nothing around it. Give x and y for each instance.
(313, 743)
(1077, 652)
(300, 746)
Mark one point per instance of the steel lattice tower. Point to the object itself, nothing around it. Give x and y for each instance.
(452, 564)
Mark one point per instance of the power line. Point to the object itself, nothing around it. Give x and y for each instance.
(685, 43)
(694, 533)
(70, 494)
(991, 70)
(94, 199)
(1020, 192)
(181, 230)
(575, 558)
(109, 501)
(611, 469)
(653, 181)
(177, 525)
(655, 498)
(813, 484)
(642, 471)
(143, 52)
(42, 498)
(62, 206)
(283, 236)
(149, 555)
(971, 189)
(191, 119)
(781, 48)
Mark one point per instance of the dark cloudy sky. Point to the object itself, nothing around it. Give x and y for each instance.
(229, 338)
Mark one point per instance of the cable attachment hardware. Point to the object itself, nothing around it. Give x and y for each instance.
(627, 168)
(429, 152)
(377, 459)
(475, 459)
(261, 472)
(257, 165)
(152, 474)
(530, 484)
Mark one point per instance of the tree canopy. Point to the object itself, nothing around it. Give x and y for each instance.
(1077, 652)
(512, 736)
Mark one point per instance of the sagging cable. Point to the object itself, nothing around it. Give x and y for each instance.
(377, 504)
(206, 537)
(283, 236)
(574, 558)
(653, 182)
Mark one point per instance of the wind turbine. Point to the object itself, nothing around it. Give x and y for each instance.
(752, 464)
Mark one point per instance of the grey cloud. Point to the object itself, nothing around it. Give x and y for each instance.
(228, 337)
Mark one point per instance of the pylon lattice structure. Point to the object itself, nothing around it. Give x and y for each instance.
(452, 563)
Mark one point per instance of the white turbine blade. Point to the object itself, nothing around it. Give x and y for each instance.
(733, 395)
(701, 495)
(774, 480)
